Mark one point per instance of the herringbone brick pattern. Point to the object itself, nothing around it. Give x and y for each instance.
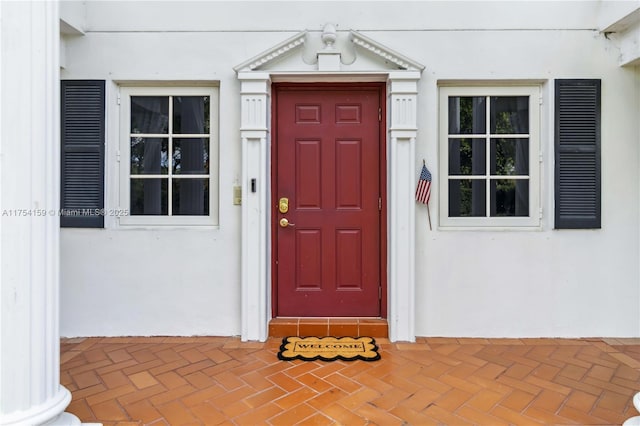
(212, 380)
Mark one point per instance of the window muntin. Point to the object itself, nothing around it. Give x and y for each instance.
(488, 138)
(168, 155)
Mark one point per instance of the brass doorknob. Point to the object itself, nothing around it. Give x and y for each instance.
(284, 222)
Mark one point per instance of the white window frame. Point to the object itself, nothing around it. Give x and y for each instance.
(533, 221)
(124, 156)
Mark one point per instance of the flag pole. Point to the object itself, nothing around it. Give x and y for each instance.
(424, 163)
(423, 190)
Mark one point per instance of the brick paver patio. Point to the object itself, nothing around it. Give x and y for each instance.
(220, 380)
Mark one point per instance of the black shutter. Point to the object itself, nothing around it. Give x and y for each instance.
(82, 144)
(577, 154)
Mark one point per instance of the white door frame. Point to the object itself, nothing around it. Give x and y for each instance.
(255, 131)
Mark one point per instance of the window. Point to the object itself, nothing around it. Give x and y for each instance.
(168, 155)
(489, 152)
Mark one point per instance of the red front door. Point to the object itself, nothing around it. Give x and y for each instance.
(327, 172)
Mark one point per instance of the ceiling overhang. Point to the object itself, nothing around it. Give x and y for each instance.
(627, 32)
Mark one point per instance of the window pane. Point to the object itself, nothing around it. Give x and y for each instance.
(191, 197)
(510, 114)
(467, 115)
(509, 197)
(191, 114)
(510, 156)
(467, 157)
(149, 197)
(149, 156)
(467, 197)
(150, 114)
(191, 156)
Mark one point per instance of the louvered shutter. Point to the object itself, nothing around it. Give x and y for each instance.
(82, 142)
(577, 154)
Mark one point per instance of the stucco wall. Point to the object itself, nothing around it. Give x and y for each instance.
(468, 283)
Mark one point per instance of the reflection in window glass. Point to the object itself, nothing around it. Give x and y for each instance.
(467, 197)
(191, 156)
(467, 115)
(509, 197)
(150, 114)
(158, 164)
(467, 157)
(190, 196)
(509, 157)
(191, 114)
(149, 197)
(488, 148)
(509, 114)
(149, 156)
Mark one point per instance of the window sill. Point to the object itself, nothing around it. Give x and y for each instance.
(163, 222)
(491, 228)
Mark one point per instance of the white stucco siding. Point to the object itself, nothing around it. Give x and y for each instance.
(132, 283)
(267, 15)
(553, 282)
(468, 283)
(157, 281)
(508, 285)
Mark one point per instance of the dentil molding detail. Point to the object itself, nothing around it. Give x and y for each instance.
(273, 53)
(384, 52)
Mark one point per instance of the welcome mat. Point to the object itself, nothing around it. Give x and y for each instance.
(328, 348)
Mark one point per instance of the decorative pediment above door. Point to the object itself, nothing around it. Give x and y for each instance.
(330, 51)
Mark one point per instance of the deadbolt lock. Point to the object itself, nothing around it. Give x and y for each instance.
(283, 205)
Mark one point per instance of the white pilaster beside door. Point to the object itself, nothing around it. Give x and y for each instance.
(403, 131)
(255, 99)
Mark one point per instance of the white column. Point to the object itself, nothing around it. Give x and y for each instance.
(254, 133)
(30, 390)
(403, 93)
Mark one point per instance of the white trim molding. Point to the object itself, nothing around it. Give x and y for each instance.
(402, 76)
(531, 221)
(403, 131)
(275, 52)
(254, 134)
(385, 53)
(123, 164)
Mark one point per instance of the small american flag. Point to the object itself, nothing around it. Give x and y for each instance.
(423, 191)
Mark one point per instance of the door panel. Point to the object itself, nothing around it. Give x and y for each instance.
(308, 259)
(309, 177)
(349, 174)
(349, 259)
(327, 163)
